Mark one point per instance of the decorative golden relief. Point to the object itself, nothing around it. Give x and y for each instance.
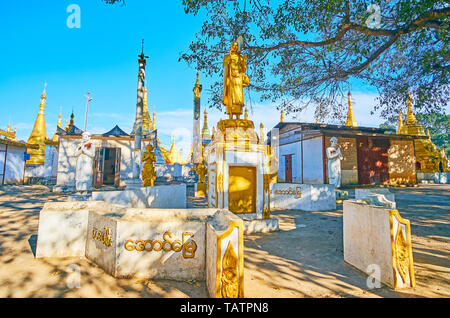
(104, 237)
(220, 182)
(230, 286)
(188, 248)
(401, 254)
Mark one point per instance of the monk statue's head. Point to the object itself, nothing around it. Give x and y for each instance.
(85, 137)
(234, 47)
(333, 141)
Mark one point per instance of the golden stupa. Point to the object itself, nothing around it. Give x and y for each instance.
(55, 137)
(428, 157)
(350, 122)
(38, 135)
(70, 123)
(174, 156)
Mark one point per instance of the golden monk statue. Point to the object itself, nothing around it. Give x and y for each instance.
(235, 79)
(148, 170)
(201, 172)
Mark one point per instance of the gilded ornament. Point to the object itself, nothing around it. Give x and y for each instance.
(230, 287)
(401, 254)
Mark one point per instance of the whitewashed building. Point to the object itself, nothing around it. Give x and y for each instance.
(371, 155)
(112, 164)
(12, 161)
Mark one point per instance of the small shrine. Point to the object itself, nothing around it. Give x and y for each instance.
(239, 169)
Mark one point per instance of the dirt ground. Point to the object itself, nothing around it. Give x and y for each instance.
(303, 259)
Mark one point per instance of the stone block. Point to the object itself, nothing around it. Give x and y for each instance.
(160, 244)
(379, 197)
(158, 197)
(63, 226)
(176, 244)
(378, 238)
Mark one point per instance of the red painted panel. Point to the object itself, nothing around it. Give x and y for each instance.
(288, 168)
(372, 157)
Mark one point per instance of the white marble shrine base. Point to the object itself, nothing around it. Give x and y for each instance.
(177, 244)
(161, 197)
(377, 241)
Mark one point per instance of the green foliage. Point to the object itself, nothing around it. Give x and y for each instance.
(305, 53)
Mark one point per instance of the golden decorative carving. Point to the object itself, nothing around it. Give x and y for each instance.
(220, 182)
(401, 254)
(230, 287)
(148, 170)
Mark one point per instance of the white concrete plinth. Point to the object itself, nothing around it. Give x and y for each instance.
(146, 243)
(306, 197)
(177, 244)
(372, 243)
(63, 227)
(376, 196)
(161, 197)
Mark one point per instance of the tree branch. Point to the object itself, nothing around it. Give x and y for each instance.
(421, 21)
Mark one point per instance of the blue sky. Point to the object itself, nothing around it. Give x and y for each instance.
(37, 46)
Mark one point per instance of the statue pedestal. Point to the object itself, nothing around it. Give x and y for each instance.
(133, 184)
(239, 170)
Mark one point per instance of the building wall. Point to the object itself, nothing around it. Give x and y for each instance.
(14, 164)
(402, 162)
(311, 170)
(349, 165)
(51, 161)
(67, 162)
(294, 150)
(313, 161)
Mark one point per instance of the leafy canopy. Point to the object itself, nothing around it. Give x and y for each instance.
(305, 53)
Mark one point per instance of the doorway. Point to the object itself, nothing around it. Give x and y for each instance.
(372, 156)
(288, 168)
(107, 167)
(242, 189)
